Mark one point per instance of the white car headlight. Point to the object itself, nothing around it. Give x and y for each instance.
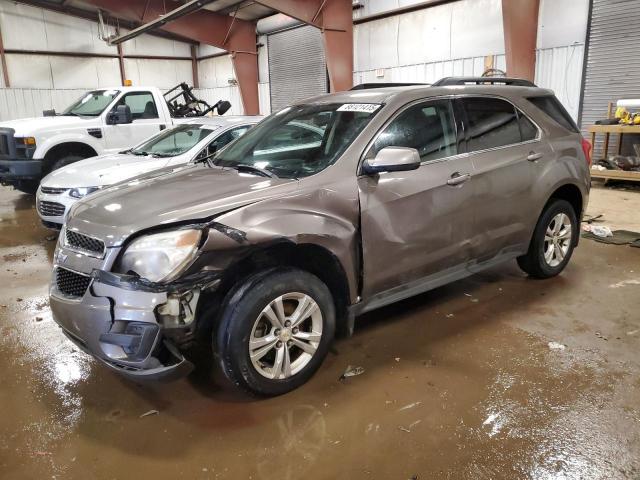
(82, 191)
(161, 257)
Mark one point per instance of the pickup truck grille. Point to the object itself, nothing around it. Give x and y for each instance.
(83, 242)
(71, 283)
(51, 209)
(4, 145)
(52, 190)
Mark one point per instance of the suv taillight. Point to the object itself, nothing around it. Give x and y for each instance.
(586, 148)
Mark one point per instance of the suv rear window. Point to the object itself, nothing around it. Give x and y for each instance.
(552, 107)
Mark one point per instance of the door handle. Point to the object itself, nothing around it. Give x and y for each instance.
(457, 178)
(533, 156)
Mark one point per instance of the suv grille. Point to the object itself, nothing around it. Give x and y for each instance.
(52, 190)
(83, 242)
(71, 283)
(51, 209)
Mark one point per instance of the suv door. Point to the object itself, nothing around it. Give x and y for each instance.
(145, 121)
(504, 146)
(417, 224)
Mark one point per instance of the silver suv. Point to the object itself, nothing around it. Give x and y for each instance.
(326, 209)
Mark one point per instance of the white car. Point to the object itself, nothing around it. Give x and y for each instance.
(177, 146)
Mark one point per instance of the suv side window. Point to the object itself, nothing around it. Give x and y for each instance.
(491, 123)
(527, 129)
(142, 105)
(428, 127)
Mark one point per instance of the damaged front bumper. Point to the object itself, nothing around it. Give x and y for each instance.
(130, 325)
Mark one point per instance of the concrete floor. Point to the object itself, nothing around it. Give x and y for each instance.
(459, 383)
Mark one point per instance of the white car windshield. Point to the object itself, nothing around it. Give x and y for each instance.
(174, 141)
(92, 104)
(298, 141)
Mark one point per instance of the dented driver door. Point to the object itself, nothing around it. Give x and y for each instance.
(416, 225)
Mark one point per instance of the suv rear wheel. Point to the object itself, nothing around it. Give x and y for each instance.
(275, 330)
(553, 241)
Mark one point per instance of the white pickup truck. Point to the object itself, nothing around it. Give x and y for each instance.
(102, 121)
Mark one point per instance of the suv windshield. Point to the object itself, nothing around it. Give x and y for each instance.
(175, 141)
(92, 104)
(299, 141)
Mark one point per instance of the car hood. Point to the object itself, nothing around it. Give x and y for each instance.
(193, 192)
(103, 170)
(31, 126)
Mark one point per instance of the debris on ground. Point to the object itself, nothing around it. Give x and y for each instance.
(38, 319)
(50, 238)
(616, 237)
(598, 230)
(410, 427)
(592, 218)
(397, 359)
(556, 346)
(351, 371)
(633, 332)
(624, 283)
(450, 315)
(411, 405)
(599, 335)
(149, 413)
(18, 299)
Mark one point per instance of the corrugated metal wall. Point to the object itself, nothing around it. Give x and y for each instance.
(613, 59)
(429, 72)
(297, 67)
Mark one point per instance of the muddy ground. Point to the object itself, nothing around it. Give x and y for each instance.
(459, 383)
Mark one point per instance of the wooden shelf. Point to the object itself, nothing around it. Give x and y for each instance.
(616, 175)
(614, 129)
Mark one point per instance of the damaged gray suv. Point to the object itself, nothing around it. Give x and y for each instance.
(327, 209)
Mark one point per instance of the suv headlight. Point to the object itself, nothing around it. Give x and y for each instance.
(83, 191)
(161, 257)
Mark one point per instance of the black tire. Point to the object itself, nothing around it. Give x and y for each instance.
(30, 187)
(65, 160)
(534, 262)
(240, 311)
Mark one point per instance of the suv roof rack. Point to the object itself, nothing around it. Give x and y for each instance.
(513, 82)
(364, 86)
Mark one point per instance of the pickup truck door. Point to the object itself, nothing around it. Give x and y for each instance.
(147, 121)
(416, 224)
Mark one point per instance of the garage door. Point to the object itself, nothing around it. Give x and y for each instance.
(297, 67)
(613, 59)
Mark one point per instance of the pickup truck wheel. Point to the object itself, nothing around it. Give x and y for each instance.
(29, 187)
(65, 160)
(275, 330)
(554, 239)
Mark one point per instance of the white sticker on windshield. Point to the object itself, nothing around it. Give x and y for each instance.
(359, 107)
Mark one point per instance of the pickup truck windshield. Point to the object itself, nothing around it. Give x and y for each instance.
(92, 104)
(299, 141)
(175, 141)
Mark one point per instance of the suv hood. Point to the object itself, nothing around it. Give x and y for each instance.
(193, 192)
(103, 170)
(25, 127)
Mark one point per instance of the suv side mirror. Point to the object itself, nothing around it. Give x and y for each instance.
(121, 115)
(392, 159)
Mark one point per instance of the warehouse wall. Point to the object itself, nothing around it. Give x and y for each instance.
(425, 45)
(51, 81)
(562, 30)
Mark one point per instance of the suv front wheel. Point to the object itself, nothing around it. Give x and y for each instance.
(276, 328)
(554, 239)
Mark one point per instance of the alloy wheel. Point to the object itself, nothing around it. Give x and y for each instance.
(557, 239)
(285, 336)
